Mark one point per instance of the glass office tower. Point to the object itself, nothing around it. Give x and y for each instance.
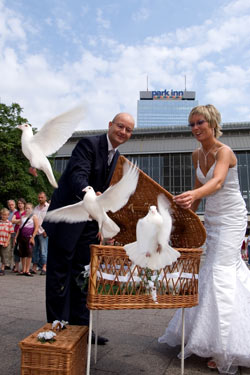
(164, 108)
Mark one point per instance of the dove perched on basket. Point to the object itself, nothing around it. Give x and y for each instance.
(96, 206)
(52, 136)
(151, 248)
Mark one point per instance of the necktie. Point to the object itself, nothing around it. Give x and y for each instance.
(110, 156)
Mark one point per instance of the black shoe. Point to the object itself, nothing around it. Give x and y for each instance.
(100, 340)
(28, 274)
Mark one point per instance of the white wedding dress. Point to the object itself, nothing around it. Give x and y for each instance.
(219, 326)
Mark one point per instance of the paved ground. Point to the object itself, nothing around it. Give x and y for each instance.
(133, 348)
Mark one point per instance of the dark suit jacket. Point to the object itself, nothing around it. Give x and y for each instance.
(87, 166)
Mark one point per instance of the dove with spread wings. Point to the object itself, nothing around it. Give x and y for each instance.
(151, 248)
(95, 206)
(52, 136)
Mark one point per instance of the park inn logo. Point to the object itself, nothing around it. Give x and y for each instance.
(167, 94)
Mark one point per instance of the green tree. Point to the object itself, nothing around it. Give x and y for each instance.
(15, 181)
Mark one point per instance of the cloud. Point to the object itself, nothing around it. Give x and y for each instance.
(141, 15)
(237, 7)
(101, 21)
(84, 10)
(230, 88)
(11, 29)
(62, 25)
(109, 74)
(205, 66)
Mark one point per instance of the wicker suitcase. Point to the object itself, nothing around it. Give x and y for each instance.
(65, 356)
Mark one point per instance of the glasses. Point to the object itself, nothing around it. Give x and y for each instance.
(122, 127)
(200, 122)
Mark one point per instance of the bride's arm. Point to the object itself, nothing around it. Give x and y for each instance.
(224, 159)
(195, 204)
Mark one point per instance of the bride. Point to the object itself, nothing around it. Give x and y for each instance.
(218, 328)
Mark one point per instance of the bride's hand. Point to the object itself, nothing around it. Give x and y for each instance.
(185, 200)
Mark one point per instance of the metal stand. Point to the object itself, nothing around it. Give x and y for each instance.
(89, 342)
(96, 335)
(96, 332)
(182, 341)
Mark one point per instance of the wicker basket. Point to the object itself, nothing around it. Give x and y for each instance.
(65, 356)
(114, 283)
(188, 231)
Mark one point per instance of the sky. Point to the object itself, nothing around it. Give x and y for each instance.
(56, 54)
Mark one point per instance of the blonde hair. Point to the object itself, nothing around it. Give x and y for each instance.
(29, 204)
(4, 211)
(212, 116)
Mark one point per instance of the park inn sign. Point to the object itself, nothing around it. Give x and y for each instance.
(167, 94)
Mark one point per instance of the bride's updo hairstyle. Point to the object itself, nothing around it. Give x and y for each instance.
(212, 116)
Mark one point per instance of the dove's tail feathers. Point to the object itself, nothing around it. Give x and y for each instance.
(52, 180)
(156, 261)
(109, 228)
(170, 255)
(131, 248)
(50, 176)
(166, 257)
(137, 258)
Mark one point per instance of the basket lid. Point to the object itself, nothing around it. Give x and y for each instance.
(187, 232)
(66, 339)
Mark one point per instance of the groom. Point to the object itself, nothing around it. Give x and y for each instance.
(92, 163)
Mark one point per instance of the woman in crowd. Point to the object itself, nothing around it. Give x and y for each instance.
(16, 220)
(218, 328)
(26, 238)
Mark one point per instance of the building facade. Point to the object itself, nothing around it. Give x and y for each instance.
(165, 154)
(164, 108)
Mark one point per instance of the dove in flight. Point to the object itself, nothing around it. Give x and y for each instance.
(52, 136)
(95, 206)
(151, 248)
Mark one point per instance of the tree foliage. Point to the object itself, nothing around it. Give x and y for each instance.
(15, 181)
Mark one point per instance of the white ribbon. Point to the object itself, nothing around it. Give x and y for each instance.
(131, 278)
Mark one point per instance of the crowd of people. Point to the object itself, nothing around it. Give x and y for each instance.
(23, 240)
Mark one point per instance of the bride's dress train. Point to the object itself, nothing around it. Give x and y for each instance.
(219, 326)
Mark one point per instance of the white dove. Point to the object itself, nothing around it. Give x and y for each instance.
(152, 247)
(95, 206)
(48, 140)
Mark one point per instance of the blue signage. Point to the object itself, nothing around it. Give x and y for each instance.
(167, 94)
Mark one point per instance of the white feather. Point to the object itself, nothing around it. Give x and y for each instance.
(74, 213)
(153, 231)
(58, 130)
(116, 196)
